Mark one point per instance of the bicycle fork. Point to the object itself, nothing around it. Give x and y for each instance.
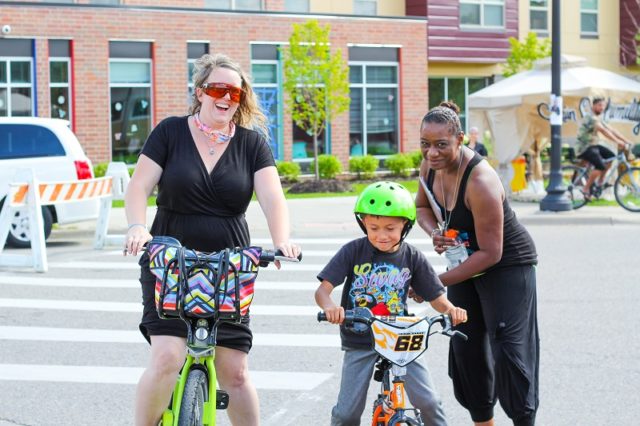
(218, 400)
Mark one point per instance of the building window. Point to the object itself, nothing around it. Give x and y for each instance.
(482, 13)
(234, 4)
(539, 16)
(589, 18)
(296, 6)
(130, 88)
(373, 112)
(60, 79)
(16, 78)
(265, 73)
(365, 7)
(195, 50)
(456, 89)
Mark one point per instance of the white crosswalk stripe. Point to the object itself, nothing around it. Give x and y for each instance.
(100, 294)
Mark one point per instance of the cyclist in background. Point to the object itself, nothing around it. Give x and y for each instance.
(589, 148)
(379, 269)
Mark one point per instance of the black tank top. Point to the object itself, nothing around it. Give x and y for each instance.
(517, 245)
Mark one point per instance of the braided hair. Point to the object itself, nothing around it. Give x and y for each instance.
(445, 113)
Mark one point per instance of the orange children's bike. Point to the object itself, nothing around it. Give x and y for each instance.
(399, 341)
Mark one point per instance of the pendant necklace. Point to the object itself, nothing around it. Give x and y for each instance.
(214, 136)
(447, 217)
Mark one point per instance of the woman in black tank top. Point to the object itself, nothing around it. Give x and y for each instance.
(461, 203)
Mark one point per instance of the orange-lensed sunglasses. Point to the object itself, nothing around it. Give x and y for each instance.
(219, 90)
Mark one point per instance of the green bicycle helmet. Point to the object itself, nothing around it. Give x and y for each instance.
(386, 199)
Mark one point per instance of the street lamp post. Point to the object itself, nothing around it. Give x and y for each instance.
(556, 199)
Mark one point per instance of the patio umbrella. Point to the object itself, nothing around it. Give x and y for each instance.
(514, 109)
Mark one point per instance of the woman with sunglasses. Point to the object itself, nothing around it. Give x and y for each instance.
(206, 166)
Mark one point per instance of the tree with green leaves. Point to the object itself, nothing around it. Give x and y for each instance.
(638, 48)
(525, 53)
(316, 80)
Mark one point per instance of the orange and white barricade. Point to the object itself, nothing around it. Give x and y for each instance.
(119, 173)
(28, 191)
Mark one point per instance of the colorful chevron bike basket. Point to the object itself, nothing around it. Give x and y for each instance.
(210, 283)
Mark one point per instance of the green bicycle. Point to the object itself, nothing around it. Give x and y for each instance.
(203, 289)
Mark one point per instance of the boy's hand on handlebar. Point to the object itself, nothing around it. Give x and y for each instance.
(335, 314)
(458, 315)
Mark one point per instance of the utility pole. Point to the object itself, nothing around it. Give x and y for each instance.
(556, 198)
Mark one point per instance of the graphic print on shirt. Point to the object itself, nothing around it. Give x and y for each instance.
(380, 287)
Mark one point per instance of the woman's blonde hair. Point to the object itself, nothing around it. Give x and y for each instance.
(248, 114)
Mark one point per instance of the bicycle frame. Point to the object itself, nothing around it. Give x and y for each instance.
(391, 402)
(398, 341)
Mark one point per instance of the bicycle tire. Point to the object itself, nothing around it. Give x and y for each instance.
(627, 189)
(196, 392)
(574, 179)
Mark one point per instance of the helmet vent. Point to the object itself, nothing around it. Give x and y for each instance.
(388, 203)
(372, 201)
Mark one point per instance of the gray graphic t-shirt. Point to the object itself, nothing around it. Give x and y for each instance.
(379, 281)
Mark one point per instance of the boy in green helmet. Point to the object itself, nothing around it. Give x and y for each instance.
(377, 271)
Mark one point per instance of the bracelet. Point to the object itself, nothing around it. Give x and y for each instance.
(435, 231)
(137, 224)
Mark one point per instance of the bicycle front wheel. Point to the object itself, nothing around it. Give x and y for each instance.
(196, 392)
(627, 189)
(574, 179)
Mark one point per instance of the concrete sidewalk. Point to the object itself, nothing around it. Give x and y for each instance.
(333, 217)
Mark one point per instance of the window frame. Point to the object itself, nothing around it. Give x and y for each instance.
(148, 85)
(66, 85)
(232, 6)
(364, 85)
(292, 9)
(375, 7)
(464, 114)
(278, 86)
(482, 4)
(545, 9)
(9, 85)
(590, 34)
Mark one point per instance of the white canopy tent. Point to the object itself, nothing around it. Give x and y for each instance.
(513, 108)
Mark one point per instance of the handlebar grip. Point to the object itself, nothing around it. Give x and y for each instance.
(322, 316)
(278, 255)
(460, 334)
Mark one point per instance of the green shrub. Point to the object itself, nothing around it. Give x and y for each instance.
(416, 158)
(100, 169)
(328, 166)
(364, 165)
(399, 165)
(288, 170)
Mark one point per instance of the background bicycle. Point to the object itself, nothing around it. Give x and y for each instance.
(623, 178)
(399, 341)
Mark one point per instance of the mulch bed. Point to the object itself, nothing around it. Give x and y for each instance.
(321, 185)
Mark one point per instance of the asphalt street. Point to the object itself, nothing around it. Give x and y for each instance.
(70, 352)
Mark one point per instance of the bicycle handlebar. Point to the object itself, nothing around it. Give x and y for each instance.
(266, 256)
(351, 317)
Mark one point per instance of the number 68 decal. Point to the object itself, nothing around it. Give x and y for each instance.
(409, 342)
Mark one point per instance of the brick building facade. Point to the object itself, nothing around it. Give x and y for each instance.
(116, 71)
